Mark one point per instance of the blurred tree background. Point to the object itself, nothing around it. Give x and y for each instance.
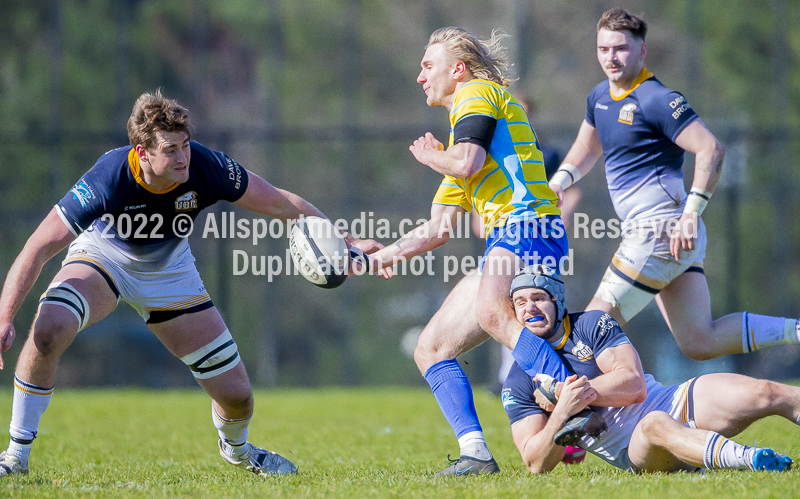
(319, 97)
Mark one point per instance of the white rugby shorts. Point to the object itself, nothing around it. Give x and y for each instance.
(156, 295)
(612, 445)
(643, 266)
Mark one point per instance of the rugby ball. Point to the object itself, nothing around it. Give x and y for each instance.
(319, 252)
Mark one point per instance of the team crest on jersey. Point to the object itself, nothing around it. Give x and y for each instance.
(626, 113)
(606, 324)
(582, 352)
(82, 192)
(186, 202)
(507, 398)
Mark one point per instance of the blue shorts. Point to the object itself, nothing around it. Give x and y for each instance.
(536, 241)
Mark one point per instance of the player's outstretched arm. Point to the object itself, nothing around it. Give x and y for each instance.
(534, 435)
(262, 197)
(425, 237)
(579, 161)
(48, 240)
(461, 160)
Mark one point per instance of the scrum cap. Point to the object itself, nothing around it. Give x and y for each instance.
(542, 277)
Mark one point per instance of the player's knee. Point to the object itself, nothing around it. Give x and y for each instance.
(52, 333)
(655, 428)
(489, 319)
(425, 356)
(765, 394)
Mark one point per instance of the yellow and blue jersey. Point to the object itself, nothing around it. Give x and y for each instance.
(512, 184)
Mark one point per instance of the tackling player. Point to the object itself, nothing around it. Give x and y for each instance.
(122, 222)
(651, 427)
(493, 164)
(643, 128)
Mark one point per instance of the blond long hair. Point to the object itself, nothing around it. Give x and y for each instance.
(485, 59)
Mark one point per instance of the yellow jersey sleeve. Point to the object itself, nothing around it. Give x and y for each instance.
(511, 185)
(451, 193)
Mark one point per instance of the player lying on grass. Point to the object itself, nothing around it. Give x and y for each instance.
(160, 182)
(651, 427)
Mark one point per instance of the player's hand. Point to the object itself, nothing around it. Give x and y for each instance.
(368, 246)
(361, 263)
(543, 401)
(683, 235)
(7, 335)
(558, 192)
(576, 394)
(423, 146)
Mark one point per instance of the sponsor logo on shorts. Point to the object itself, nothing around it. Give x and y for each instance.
(186, 202)
(507, 398)
(582, 352)
(606, 324)
(626, 113)
(83, 193)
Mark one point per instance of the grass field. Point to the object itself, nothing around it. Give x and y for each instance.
(378, 442)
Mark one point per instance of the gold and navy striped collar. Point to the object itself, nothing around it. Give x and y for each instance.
(644, 75)
(558, 343)
(136, 171)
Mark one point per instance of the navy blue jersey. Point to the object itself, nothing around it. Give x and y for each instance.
(112, 198)
(586, 335)
(637, 131)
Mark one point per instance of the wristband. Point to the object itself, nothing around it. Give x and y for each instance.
(696, 201)
(565, 176)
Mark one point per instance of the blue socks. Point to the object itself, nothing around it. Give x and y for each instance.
(534, 355)
(453, 392)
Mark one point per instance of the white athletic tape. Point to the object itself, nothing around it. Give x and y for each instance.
(620, 293)
(566, 175)
(63, 294)
(697, 201)
(219, 356)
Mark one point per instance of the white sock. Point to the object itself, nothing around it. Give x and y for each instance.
(760, 331)
(30, 402)
(723, 453)
(473, 444)
(233, 432)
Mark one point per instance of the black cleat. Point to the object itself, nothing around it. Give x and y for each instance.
(467, 465)
(586, 422)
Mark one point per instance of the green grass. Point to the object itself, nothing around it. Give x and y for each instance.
(378, 442)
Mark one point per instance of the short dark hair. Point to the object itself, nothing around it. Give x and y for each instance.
(155, 113)
(620, 20)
